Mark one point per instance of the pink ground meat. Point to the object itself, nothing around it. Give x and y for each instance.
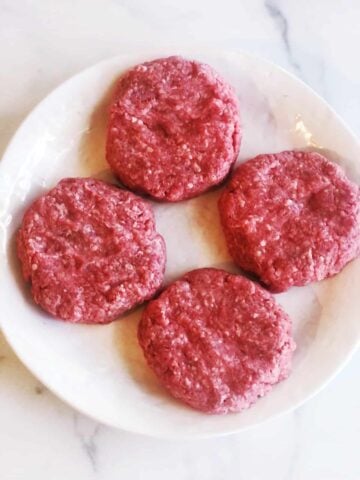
(216, 341)
(90, 251)
(173, 129)
(291, 218)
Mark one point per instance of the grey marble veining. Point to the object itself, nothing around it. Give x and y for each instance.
(282, 25)
(87, 433)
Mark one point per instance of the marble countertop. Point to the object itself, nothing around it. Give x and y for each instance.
(42, 44)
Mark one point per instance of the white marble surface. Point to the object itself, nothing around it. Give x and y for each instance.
(41, 44)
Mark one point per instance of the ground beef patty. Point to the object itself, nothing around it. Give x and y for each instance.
(291, 218)
(90, 251)
(173, 130)
(216, 341)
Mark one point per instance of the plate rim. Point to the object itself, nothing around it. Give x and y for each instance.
(191, 52)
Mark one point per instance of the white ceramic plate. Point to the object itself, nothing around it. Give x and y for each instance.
(100, 369)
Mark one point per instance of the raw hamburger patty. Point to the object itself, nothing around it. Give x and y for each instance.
(291, 218)
(90, 250)
(216, 341)
(174, 129)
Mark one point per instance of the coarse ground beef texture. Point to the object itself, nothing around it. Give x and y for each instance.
(90, 251)
(216, 341)
(291, 218)
(173, 129)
